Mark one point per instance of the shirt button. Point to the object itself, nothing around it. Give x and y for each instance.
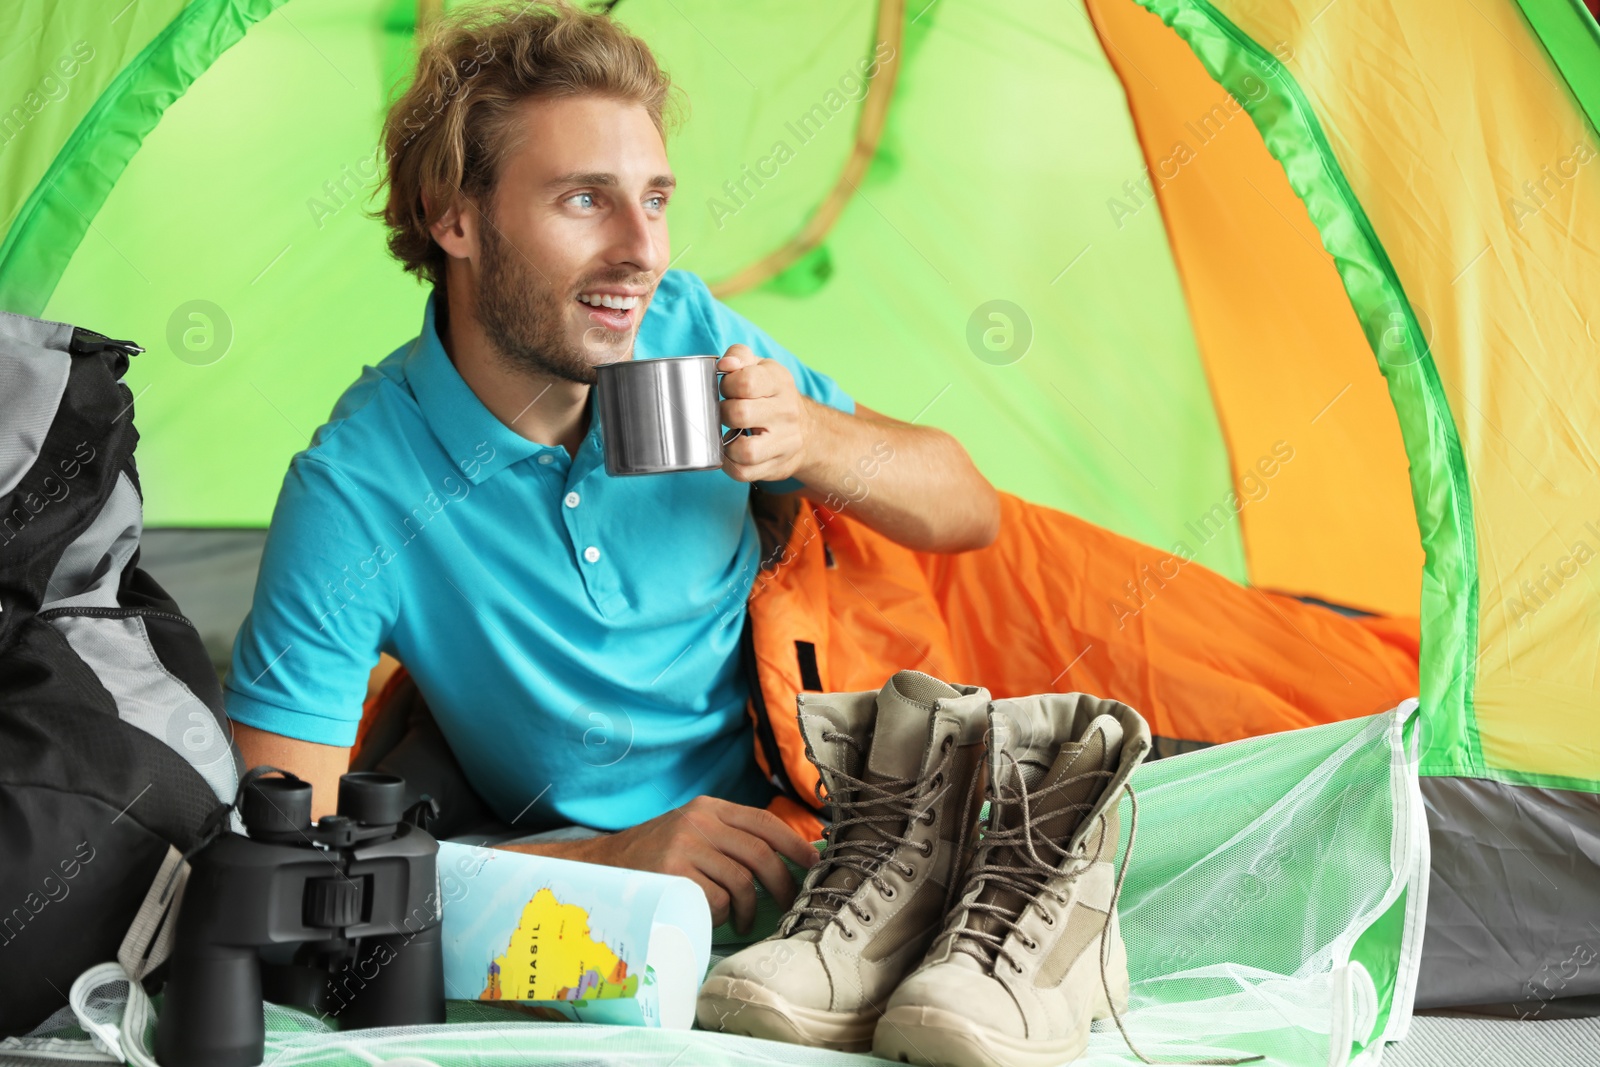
(572, 502)
(592, 554)
(546, 459)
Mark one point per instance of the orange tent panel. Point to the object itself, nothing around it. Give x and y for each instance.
(1290, 369)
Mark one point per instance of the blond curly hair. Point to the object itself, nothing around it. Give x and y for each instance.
(447, 135)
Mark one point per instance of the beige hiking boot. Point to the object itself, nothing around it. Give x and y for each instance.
(1015, 976)
(902, 769)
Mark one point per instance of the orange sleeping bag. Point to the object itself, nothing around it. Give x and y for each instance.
(1055, 604)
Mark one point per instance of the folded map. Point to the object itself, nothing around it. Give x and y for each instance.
(569, 940)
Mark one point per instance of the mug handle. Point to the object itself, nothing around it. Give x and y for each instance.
(729, 436)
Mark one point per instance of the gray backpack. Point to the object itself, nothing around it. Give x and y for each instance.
(115, 756)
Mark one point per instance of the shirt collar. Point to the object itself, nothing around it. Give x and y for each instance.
(478, 443)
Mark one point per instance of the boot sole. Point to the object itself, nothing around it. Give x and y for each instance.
(934, 1038)
(736, 1006)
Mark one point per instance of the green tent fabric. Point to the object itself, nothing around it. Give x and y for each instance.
(196, 177)
(295, 238)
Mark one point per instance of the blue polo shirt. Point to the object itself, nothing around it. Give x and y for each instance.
(575, 635)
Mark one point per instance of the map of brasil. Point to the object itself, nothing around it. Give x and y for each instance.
(553, 956)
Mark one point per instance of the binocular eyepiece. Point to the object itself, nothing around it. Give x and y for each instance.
(280, 808)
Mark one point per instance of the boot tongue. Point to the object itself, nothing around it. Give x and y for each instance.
(900, 733)
(1060, 815)
(1056, 817)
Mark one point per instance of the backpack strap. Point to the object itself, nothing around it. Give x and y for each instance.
(148, 942)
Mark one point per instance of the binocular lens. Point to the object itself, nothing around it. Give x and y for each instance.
(276, 805)
(372, 799)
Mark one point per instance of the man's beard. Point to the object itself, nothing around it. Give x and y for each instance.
(524, 319)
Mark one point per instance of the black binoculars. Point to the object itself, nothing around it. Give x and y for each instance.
(341, 918)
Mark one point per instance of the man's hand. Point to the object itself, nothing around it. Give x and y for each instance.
(723, 847)
(915, 484)
(760, 395)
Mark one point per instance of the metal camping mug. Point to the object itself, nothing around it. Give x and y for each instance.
(661, 415)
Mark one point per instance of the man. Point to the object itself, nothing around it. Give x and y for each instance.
(455, 511)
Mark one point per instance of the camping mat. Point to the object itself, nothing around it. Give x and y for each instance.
(1271, 907)
(1449, 1042)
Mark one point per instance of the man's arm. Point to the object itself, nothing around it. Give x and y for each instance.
(303, 657)
(318, 765)
(915, 484)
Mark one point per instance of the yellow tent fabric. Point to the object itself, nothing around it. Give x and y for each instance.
(1508, 289)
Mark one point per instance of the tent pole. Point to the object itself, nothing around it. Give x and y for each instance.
(869, 130)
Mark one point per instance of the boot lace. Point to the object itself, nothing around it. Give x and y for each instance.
(883, 807)
(1031, 879)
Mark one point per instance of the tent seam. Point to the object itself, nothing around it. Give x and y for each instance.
(116, 111)
(1293, 134)
(1561, 27)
